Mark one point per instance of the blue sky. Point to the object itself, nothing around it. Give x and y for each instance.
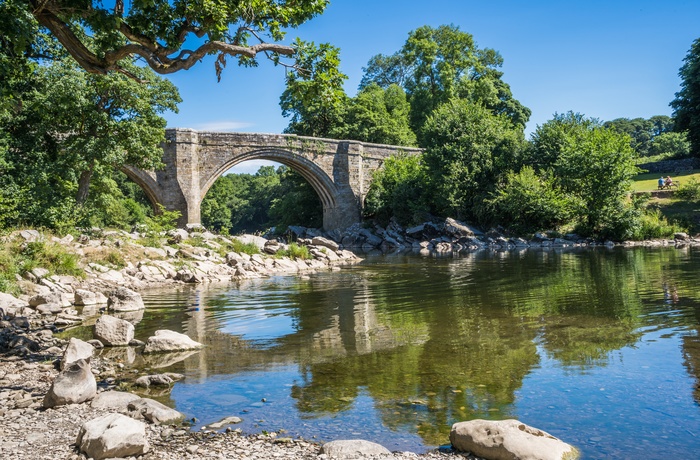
(605, 59)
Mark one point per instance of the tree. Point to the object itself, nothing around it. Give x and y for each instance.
(378, 115)
(686, 105)
(439, 64)
(398, 190)
(314, 97)
(108, 120)
(64, 126)
(592, 164)
(641, 131)
(675, 145)
(161, 32)
(468, 151)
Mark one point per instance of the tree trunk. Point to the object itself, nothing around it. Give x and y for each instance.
(84, 184)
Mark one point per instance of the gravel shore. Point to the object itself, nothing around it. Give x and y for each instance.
(29, 432)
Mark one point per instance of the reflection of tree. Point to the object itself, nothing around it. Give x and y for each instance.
(449, 340)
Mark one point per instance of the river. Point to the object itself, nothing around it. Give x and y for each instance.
(599, 347)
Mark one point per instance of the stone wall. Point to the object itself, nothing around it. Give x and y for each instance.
(671, 166)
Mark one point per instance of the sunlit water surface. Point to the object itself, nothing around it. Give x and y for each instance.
(597, 347)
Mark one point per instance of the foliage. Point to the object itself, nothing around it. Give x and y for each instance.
(468, 151)
(593, 165)
(243, 248)
(689, 190)
(652, 224)
(439, 64)
(19, 257)
(295, 202)
(671, 145)
(294, 251)
(66, 129)
(686, 105)
(162, 221)
(314, 97)
(156, 31)
(238, 203)
(398, 190)
(526, 203)
(378, 115)
(643, 132)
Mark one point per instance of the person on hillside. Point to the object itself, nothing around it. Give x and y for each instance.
(669, 182)
(662, 182)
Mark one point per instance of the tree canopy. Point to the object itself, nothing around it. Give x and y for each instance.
(438, 64)
(686, 105)
(168, 35)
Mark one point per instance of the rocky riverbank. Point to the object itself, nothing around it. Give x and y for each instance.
(35, 425)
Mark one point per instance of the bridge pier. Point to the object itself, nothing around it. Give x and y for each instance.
(339, 171)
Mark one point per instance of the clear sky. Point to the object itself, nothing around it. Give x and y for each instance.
(605, 59)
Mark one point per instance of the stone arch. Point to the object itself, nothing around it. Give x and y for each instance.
(322, 184)
(147, 183)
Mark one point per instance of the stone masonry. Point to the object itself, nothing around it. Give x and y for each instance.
(339, 171)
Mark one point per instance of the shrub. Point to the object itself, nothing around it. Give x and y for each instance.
(295, 251)
(527, 203)
(689, 191)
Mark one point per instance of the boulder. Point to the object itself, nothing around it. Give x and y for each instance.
(112, 436)
(113, 331)
(508, 439)
(123, 299)
(457, 229)
(75, 384)
(83, 297)
(9, 302)
(117, 400)
(76, 349)
(222, 423)
(325, 242)
(353, 448)
(50, 297)
(256, 240)
(166, 340)
(156, 380)
(155, 412)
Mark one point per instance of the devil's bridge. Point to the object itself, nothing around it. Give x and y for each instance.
(339, 171)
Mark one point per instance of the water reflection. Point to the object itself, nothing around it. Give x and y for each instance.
(400, 348)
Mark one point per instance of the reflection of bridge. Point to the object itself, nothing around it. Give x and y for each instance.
(339, 171)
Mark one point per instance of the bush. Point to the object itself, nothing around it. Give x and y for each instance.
(689, 191)
(527, 203)
(398, 190)
(18, 258)
(294, 252)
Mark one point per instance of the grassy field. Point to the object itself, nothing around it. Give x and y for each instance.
(649, 181)
(686, 213)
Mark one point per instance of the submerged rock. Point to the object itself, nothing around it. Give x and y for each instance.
(166, 340)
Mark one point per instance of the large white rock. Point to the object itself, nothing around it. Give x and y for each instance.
(113, 331)
(166, 340)
(10, 302)
(75, 384)
(76, 349)
(123, 299)
(507, 440)
(83, 297)
(155, 412)
(259, 241)
(112, 436)
(353, 448)
(117, 400)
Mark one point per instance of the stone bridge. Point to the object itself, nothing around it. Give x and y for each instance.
(339, 171)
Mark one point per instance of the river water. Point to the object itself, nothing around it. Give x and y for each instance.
(598, 347)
